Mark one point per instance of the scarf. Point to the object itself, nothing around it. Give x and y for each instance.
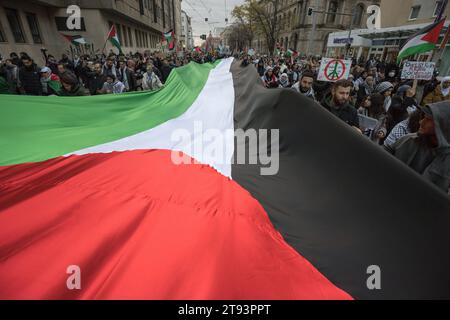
(446, 91)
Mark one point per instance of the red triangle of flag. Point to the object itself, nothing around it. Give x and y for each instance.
(68, 38)
(112, 32)
(433, 35)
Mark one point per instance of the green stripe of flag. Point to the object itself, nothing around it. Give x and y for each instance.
(39, 128)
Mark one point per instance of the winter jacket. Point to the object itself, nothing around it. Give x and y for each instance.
(51, 86)
(435, 96)
(95, 82)
(151, 82)
(116, 87)
(12, 78)
(310, 94)
(30, 80)
(165, 72)
(346, 113)
(432, 163)
(78, 90)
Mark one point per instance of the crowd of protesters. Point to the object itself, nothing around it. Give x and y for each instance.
(91, 74)
(376, 102)
(373, 100)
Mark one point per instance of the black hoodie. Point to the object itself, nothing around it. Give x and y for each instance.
(432, 163)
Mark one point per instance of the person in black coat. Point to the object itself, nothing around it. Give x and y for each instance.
(96, 79)
(30, 78)
(165, 70)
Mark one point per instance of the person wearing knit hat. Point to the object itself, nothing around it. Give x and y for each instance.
(386, 88)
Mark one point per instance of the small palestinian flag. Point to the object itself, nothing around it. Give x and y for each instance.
(291, 53)
(113, 37)
(169, 38)
(75, 40)
(95, 184)
(54, 83)
(423, 41)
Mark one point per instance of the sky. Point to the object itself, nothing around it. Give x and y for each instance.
(214, 10)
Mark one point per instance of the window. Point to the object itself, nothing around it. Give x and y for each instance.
(357, 18)
(414, 12)
(163, 14)
(130, 38)
(2, 34)
(333, 8)
(125, 36)
(34, 28)
(437, 8)
(137, 37)
(15, 25)
(141, 7)
(155, 12)
(119, 33)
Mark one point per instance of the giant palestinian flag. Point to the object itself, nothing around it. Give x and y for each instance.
(92, 182)
(423, 41)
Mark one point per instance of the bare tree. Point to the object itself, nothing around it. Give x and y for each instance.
(260, 16)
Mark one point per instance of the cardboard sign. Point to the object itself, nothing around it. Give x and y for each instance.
(332, 70)
(418, 70)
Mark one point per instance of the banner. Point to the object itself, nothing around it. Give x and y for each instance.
(332, 70)
(418, 70)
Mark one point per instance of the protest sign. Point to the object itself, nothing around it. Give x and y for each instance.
(332, 70)
(418, 70)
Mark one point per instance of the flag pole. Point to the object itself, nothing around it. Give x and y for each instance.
(106, 41)
(104, 46)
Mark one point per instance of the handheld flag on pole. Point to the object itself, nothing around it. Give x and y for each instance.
(169, 38)
(423, 41)
(76, 40)
(112, 36)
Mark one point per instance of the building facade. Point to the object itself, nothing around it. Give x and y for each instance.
(29, 26)
(186, 38)
(296, 25)
(409, 12)
(399, 20)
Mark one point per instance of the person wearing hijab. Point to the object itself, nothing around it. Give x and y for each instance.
(269, 79)
(440, 93)
(284, 81)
